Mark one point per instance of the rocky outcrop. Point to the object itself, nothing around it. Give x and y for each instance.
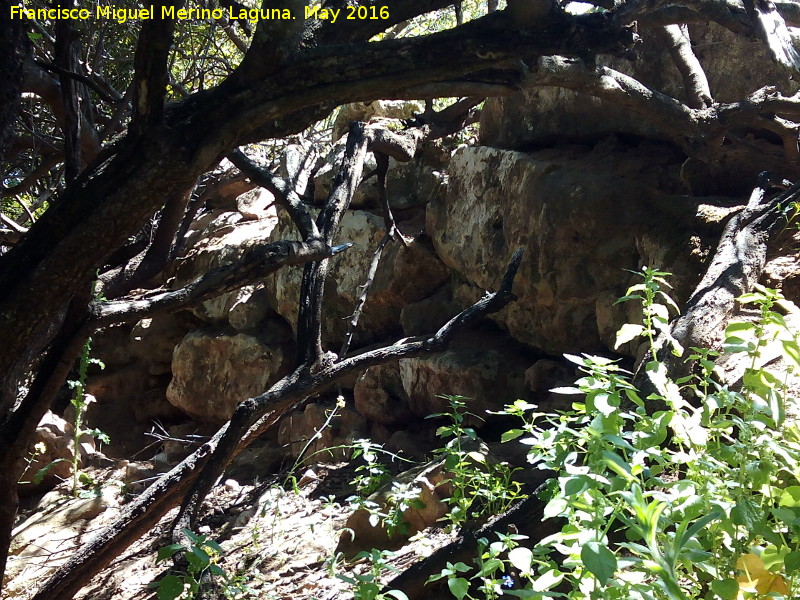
(216, 239)
(405, 275)
(322, 432)
(212, 370)
(487, 370)
(580, 224)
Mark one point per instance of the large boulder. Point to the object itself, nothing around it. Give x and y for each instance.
(213, 370)
(221, 238)
(367, 111)
(488, 370)
(581, 225)
(408, 184)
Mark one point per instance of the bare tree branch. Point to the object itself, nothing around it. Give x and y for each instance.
(695, 82)
(285, 196)
(772, 29)
(150, 77)
(257, 263)
(698, 131)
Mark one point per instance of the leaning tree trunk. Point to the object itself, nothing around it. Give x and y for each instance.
(13, 49)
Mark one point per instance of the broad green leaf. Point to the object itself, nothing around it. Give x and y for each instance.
(599, 561)
(615, 463)
(167, 552)
(521, 558)
(217, 571)
(170, 587)
(790, 496)
(773, 557)
(747, 514)
(736, 329)
(628, 332)
(792, 351)
(458, 587)
(791, 562)
(511, 434)
(547, 580)
(490, 566)
(605, 404)
(727, 589)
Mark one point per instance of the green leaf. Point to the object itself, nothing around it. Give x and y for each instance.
(599, 561)
(547, 581)
(791, 562)
(790, 496)
(615, 463)
(511, 434)
(167, 552)
(458, 586)
(170, 587)
(736, 329)
(521, 558)
(217, 571)
(747, 514)
(605, 403)
(42, 473)
(628, 332)
(727, 589)
(792, 351)
(490, 566)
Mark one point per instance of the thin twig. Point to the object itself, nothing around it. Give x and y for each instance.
(362, 299)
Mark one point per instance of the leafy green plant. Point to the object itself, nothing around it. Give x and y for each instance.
(372, 473)
(80, 401)
(480, 486)
(699, 500)
(202, 557)
(368, 586)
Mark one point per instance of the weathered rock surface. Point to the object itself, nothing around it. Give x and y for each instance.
(153, 339)
(216, 239)
(408, 185)
(51, 449)
(377, 109)
(487, 370)
(256, 204)
(48, 538)
(580, 224)
(405, 274)
(342, 429)
(215, 370)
